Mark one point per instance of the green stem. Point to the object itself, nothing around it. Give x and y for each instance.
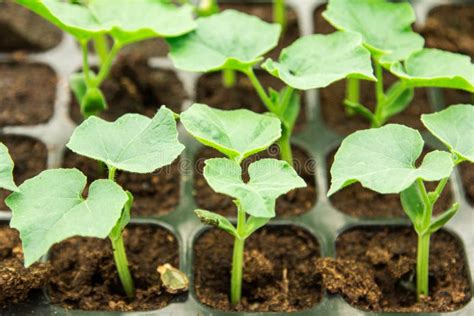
(101, 47)
(352, 93)
(285, 146)
(85, 63)
(279, 14)
(379, 95)
(422, 264)
(434, 196)
(238, 260)
(105, 68)
(112, 171)
(121, 263)
(260, 90)
(228, 78)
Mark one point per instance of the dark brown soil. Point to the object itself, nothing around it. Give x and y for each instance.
(293, 203)
(210, 91)
(358, 201)
(154, 194)
(449, 27)
(321, 26)
(16, 281)
(334, 115)
(375, 270)
(21, 29)
(452, 97)
(264, 12)
(84, 275)
(276, 278)
(135, 87)
(467, 177)
(27, 93)
(30, 157)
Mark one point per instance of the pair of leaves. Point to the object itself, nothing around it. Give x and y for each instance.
(125, 20)
(269, 178)
(384, 26)
(6, 170)
(237, 134)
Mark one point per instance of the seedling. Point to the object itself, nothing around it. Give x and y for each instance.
(311, 62)
(6, 170)
(384, 160)
(50, 207)
(386, 31)
(124, 21)
(239, 134)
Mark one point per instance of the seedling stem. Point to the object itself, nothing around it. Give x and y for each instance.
(279, 13)
(228, 78)
(101, 48)
(238, 259)
(353, 94)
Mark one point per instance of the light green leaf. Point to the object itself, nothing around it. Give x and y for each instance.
(442, 219)
(253, 223)
(216, 220)
(454, 127)
(238, 133)
(315, 61)
(228, 40)
(50, 208)
(436, 68)
(133, 143)
(6, 170)
(269, 178)
(289, 114)
(413, 205)
(399, 103)
(383, 160)
(126, 20)
(384, 26)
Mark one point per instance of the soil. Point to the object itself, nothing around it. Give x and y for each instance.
(21, 29)
(16, 281)
(84, 275)
(375, 271)
(467, 178)
(358, 201)
(276, 276)
(30, 157)
(264, 12)
(27, 93)
(154, 194)
(295, 202)
(321, 26)
(210, 91)
(452, 97)
(135, 87)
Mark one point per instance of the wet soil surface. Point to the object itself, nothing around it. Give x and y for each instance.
(135, 87)
(293, 203)
(276, 274)
(17, 282)
(467, 178)
(27, 93)
(375, 270)
(154, 194)
(358, 201)
(30, 157)
(21, 29)
(210, 91)
(264, 12)
(84, 275)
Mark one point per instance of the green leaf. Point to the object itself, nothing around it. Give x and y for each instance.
(383, 160)
(6, 170)
(216, 220)
(442, 219)
(133, 143)
(290, 113)
(50, 208)
(400, 102)
(78, 85)
(413, 205)
(253, 223)
(269, 178)
(436, 68)
(93, 102)
(124, 219)
(384, 26)
(126, 20)
(228, 40)
(237, 133)
(454, 127)
(315, 61)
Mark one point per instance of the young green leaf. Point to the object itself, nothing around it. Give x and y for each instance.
(228, 40)
(436, 68)
(413, 205)
(216, 220)
(454, 127)
(315, 61)
(269, 178)
(237, 134)
(383, 160)
(442, 219)
(133, 143)
(6, 170)
(400, 102)
(127, 21)
(384, 26)
(50, 208)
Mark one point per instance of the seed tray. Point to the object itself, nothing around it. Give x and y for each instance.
(323, 220)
